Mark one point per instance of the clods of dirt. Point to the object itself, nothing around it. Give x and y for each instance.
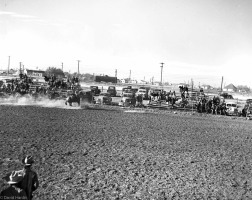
(103, 154)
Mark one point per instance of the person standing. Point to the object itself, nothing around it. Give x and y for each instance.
(13, 191)
(139, 100)
(30, 181)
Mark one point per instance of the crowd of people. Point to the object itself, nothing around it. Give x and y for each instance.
(24, 85)
(21, 85)
(55, 83)
(22, 183)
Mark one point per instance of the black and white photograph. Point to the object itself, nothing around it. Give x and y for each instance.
(126, 99)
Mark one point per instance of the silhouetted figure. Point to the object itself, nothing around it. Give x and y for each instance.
(13, 191)
(30, 181)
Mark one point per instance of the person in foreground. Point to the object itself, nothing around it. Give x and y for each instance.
(30, 181)
(13, 191)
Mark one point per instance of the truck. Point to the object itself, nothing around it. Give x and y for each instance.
(95, 90)
(112, 91)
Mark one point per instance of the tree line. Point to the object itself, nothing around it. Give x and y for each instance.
(59, 73)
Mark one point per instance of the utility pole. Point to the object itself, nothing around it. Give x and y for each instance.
(221, 83)
(130, 76)
(78, 67)
(20, 67)
(192, 92)
(116, 75)
(9, 65)
(161, 71)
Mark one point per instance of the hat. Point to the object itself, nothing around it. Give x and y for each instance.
(14, 177)
(28, 160)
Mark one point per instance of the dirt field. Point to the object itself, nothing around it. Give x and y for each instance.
(113, 154)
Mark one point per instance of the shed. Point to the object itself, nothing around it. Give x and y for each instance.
(230, 88)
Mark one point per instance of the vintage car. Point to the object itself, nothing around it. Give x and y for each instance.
(249, 101)
(125, 90)
(142, 92)
(104, 98)
(112, 91)
(231, 108)
(247, 109)
(128, 99)
(226, 96)
(155, 91)
(95, 90)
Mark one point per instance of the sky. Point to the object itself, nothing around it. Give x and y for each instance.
(199, 40)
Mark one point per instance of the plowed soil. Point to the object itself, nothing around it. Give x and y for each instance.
(113, 154)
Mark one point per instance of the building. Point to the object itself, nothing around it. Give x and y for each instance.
(180, 84)
(143, 82)
(133, 81)
(34, 73)
(5, 72)
(122, 80)
(206, 87)
(230, 88)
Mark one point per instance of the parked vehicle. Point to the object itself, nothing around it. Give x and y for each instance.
(112, 91)
(104, 98)
(128, 99)
(95, 90)
(226, 96)
(142, 92)
(125, 90)
(156, 91)
(134, 90)
(247, 110)
(249, 101)
(231, 108)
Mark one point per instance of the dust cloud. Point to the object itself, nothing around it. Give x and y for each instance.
(40, 102)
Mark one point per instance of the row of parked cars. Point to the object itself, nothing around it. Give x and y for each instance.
(232, 108)
(128, 93)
